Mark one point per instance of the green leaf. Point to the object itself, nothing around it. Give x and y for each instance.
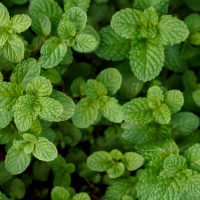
(126, 23)
(149, 16)
(155, 97)
(5, 118)
(112, 80)
(83, 4)
(4, 35)
(49, 108)
(77, 16)
(137, 111)
(48, 134)
(111, 110)
(29, 138)
(116, 154)
(78, 87)
(116, 170)
(28, 149)
(127, 197)
(192, 22)
(14, 49)
(9, 93)
(165, 185)
(68, 57)
(19, 144)
(1, 77)
(146, 59)
(187, 196)
(19, 23)
(162, 114)
(132, 161)
(59, 193)
(174, 100)
(193, 5)
(184, 123)
(52, 52)
(4, 15)
(171, 30)
(196, 97)
(45, 150)
(100, 161)
(84, 43)
(17, 161)
(156, 152)
(148, 32)
(6, 134)
(53, 75)
(41, 24)
(112, 46)
(39, 86)
(4, 174)
(62, 179)
(24, 72)
(175, 162)
(81, 196)
(95, 89)
(66, 29)
(192, 156)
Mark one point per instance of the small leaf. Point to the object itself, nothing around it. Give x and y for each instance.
(28, 149)
(83, 4)
(6, 134)
(4, 35)
(5, 118)
(81, 196)
(78, 87)
(149, 16)
(4, 15)
(116, 170)
(45, 150)
(59, 193)
(29, 138)
(116, 154)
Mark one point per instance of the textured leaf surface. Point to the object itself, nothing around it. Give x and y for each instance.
(6, 134)
(132, 160)
(39, 86)
(149, 16)
(86, 113)
(111, 110)
(9, 93)
(78, 87)
(5, 118)
(81, 196)
(52, 52)
(137, 111)
(84, 4)
(45, 150)
(112, 46)
(4, 35)
(14, 49)
(171, 30)
(112, 80)
(126, 23)
(59, 193)
(19, 23)
(24, 72)
(146, 59)
(100, 161)
(116, 170)
(17, 161)
(4, 15)
(84, 43)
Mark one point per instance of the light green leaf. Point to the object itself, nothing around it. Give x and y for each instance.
(1, 77)
(95, 89)
(5, 118)
(161, 6)
(175, 162)
(4, 15)
(19, 23)
(24, 72)
(30, 138)
(162, 114)
(192, 156)
(132, 161)
(45, 150)
(149, 16)
(17, 161)
(100, 161)
(116, 170)
(174, 100)
(78, 87)
(126, 23)
(116, 154)
(171, 30)
(28, 149)
(52, 52)
(84, 43)
(127, 197)
(6, 134)
(14, 49)
(4, 174)
(156, 152)
(4, 35)
(19, 144)
(112, 46)
(66, 29)
(41, 24)
(86, 113)
(49, 108)
(187, 196)
(59, 193)
(9, 93)
(39, 86)
(196, 97)
(83, 4)
(81, 196)
(155, 97)
(77, 16)
(137, 111)
(112, 80)
(146, 59)
(148, 32)
(111, 110)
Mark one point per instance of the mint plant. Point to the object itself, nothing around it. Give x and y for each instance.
(99, 100)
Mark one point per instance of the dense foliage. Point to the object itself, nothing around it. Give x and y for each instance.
(99, 99)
